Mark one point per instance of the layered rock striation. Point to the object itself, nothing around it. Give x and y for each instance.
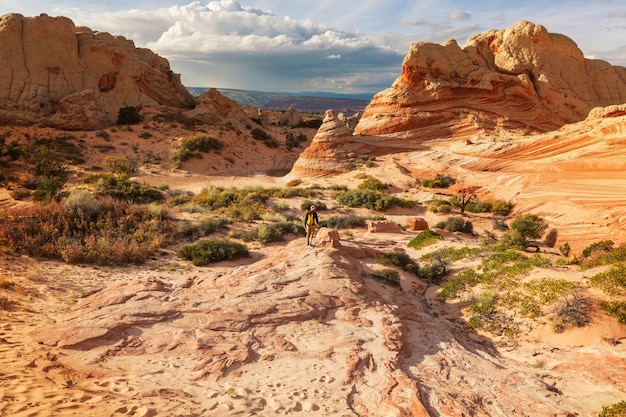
(519, 77)
(60, 75)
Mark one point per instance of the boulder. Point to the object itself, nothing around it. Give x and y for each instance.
(416, 224)
(291, 118)
(383, 226)
(327, 237)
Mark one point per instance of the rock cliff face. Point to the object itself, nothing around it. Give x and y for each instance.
(74, 78)
(519, 77)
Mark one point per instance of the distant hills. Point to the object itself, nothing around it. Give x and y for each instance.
(312, 102)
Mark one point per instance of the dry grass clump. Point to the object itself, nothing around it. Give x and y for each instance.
(103, 231)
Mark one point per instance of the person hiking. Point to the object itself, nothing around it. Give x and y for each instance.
(311, 222)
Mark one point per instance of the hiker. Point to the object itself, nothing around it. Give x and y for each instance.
(311, 222)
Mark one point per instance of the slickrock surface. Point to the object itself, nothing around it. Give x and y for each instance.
(74, 78)
(291, 331)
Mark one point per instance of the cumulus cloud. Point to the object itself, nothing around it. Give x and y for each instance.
(224, 43)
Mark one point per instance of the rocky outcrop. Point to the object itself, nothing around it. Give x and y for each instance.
(212, 107)
(291, 118)
(520, 77)
(71, 77)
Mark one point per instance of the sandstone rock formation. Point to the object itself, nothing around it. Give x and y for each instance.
(519, 77)
(291, 118)
(212, 107)
(71, 77)
(416, 224)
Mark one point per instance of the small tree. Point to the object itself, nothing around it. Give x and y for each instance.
(466, 194)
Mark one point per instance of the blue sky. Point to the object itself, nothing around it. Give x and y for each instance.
(347, 46)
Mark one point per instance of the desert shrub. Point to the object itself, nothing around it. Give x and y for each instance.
(49, 170)
(611, 281)
(194, 146)
(457, 284)
(81, 204)
(501, 207)
(614, 410)
(574, 310)
(293, 141)
(119, 165)
(9, 151)
(117, 233)
(456, 224)
(272, 232)
(345, 222)
(145, 135)
(437, 268)
(373, 184)
(603, 245)
(486, 316)
(373, 200)
(128, 116)
(311, 124)
(439, 206)
(565, 249)
(401, 259)
(306, 204)
(440, 181)
(424, 238)
(615, 308)
(260, 134)
(122, 188)
(195, 230)
(103, 134)
(213, 250)
(388, 276)
(523, 228)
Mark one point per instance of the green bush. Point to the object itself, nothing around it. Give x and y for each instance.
(440, 181)
(456, 224)
(213, 250)
(273, 232)
(373, 200)
(401, 259)
(194, 146)
(119, 165)
(523, 228)
(615, 308)
(424, 238)
(612, 281)
(388, 276)
(345, 222)
(614, 410)
(195, 230)
(373, 184)
(439, 206)
(603, 245)
(122, 188)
